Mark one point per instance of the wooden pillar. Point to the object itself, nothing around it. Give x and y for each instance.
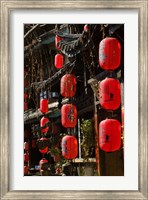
(96, 137)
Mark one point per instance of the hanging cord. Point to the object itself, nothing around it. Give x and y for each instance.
(87, 64)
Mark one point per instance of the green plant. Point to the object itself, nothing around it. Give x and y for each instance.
(87, 138)
(54, 151)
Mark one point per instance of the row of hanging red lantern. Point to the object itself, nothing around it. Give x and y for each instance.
(58, 62)
(44, 120)
(109, 94)
(68, 111)
(59, 58)
(69, 116)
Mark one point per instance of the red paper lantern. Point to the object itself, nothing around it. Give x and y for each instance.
(109, 94)
(86, 28)
(26, 170)
(69, 147)
(68, 85)
(57, 40)
(45, 150)
(44, 105)
(42, 162)
(58, 61)
(43, 121)
(110, 135)
(25, 106)
(26, 157)
(109, 53)
(25, 96)
(44, 165)
(26, 146)
(69, 116)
